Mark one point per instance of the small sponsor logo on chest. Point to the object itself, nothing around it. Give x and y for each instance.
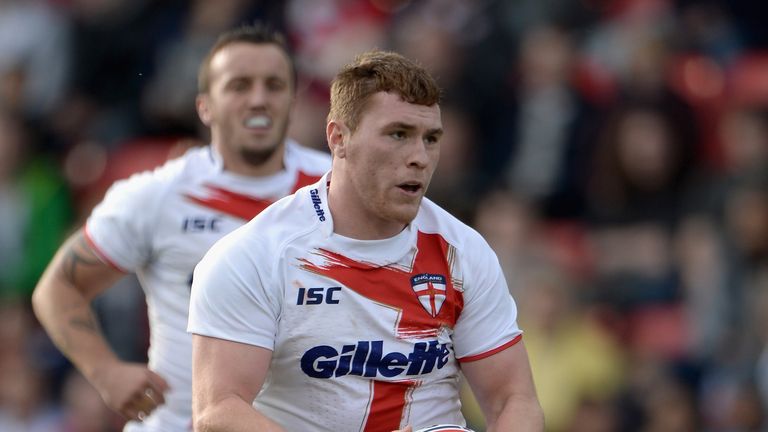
(196, 224)
(318, 295)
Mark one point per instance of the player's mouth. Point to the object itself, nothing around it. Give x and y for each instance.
(258, 122)
(411, 188)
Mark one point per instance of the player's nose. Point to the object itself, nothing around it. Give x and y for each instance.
(418, 156)
(257, 97)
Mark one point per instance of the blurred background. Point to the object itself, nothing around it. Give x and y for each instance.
(613, 152)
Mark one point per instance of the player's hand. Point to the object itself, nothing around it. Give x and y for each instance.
(130, 389)
(407, 429)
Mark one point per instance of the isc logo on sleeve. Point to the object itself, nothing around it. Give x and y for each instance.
(318, 295)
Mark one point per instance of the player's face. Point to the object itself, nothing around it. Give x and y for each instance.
(392, 155)
(248, 103)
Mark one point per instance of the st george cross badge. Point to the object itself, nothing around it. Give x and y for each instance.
(430, 289)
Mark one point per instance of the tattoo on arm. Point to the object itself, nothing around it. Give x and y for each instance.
(78, 255)
(78, 317)
(86, 322)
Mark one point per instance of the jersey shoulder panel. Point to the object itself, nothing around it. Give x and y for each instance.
(240, 274)
(155, 182)
(122, 225)
(142, 192)
(281, 222)
(262, 239)
(308, 160)
(195, 163)
(434, 219)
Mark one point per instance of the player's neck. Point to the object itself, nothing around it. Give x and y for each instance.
(236, 164)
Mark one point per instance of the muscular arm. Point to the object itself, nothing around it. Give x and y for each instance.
(226, 377)
(61, 302)
(504, 388)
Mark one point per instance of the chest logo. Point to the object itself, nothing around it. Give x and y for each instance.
(424, 293)
(430, 289)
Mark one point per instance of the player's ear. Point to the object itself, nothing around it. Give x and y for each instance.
(336, 133)
(203, 109)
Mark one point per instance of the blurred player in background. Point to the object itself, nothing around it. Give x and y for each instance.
(160, 224)
(354, 303)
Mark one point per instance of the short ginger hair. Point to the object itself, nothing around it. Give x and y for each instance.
(379, 71)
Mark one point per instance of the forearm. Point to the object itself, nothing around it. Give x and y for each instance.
(67, 316)
(519, 414)
(233, 414)
(62, 301)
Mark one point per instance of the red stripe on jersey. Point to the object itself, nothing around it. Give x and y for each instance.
(99, 252)
(491, 352)
(240, 205)
(392, 287)
(304, 179)
(231, 203)
(387, 405)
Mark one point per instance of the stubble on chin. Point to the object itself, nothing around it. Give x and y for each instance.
(256, 158)
(406, 214)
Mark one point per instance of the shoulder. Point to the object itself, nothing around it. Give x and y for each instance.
(434, 219)
(174, 171)
(473, 253)
(255, 250)
(266, 235)
(142, 194)
(289, 216)
(308, 159)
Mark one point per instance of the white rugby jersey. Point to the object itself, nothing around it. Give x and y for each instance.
(159, 224)
(366, 335)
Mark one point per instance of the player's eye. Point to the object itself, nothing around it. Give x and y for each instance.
(398, 135)
(276, 84)
(239, 85)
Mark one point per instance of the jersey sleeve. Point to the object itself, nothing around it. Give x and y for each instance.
(231, 297)
(488, 322)
(119, 227)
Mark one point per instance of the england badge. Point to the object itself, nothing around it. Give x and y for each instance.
(430, 290)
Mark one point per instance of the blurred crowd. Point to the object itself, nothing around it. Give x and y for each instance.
(613, 152)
